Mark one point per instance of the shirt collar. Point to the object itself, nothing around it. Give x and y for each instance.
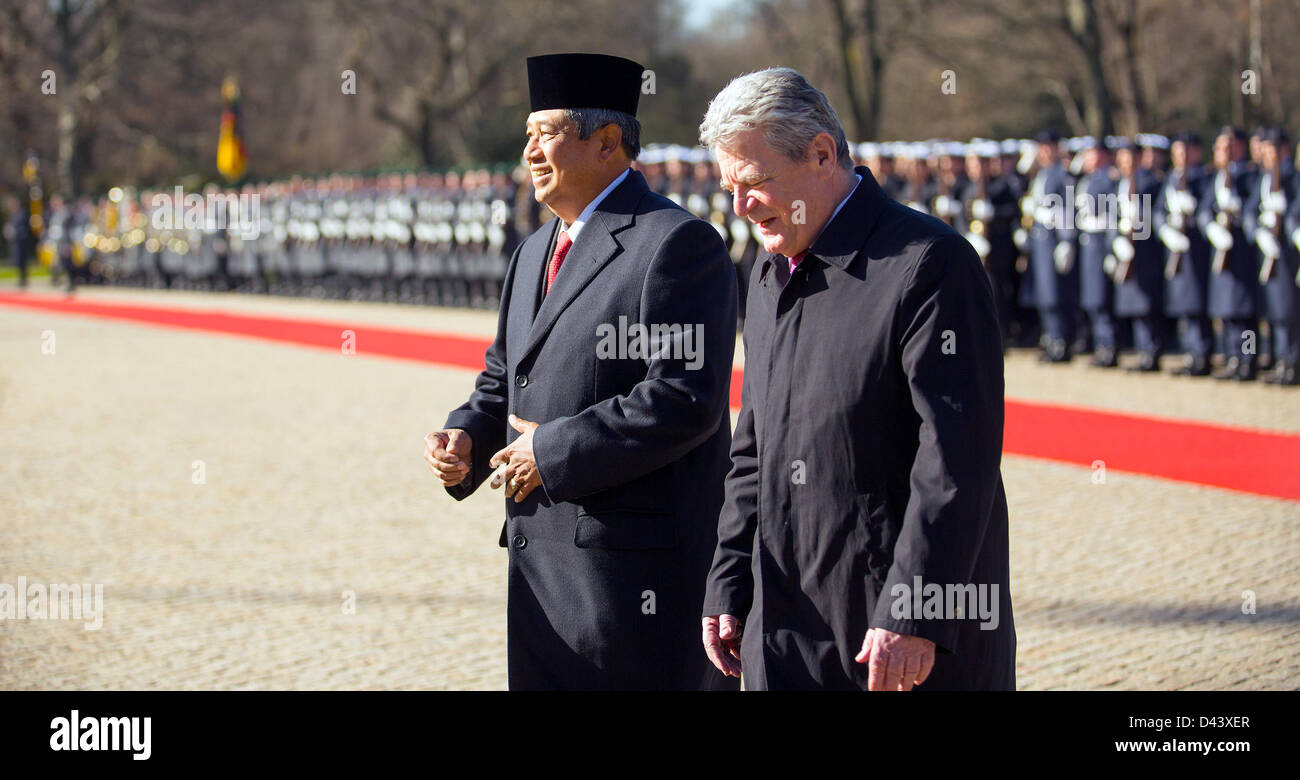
(858, 178)
(794, 261)
(576, 228)
(843, 235)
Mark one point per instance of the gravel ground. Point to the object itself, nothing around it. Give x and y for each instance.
(316, 551)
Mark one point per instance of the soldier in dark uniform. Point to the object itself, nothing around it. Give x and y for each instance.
(1054, 273)
(890, 179)
(1264, 223)
(19, 235)
(950, 181)
(919, 188)
(1095, 205)
(1154, 158)
(1139, 267)
(1187, 253)
(1234, 265)
(62, 224)
(990, 212)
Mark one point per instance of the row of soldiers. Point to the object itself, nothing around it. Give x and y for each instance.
(1131, 242)
(1089, 244)
(434, 238)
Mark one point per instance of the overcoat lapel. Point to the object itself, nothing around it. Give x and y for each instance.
(593, 250)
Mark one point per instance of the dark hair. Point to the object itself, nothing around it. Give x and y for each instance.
(589, 120)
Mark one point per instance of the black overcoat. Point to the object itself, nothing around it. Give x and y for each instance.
(609, 557)
(866, 455)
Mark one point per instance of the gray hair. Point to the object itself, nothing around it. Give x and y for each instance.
(790, 111)
(589, 120)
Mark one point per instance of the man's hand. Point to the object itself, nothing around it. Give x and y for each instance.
(895, 662)
(448, 455)
(520, 475)
(722, 643)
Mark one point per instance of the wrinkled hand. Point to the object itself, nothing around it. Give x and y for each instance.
(448, 454)
(722, 643)
(520, 474)
(895, 662)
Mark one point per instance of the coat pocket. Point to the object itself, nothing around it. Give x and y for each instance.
(625, 529)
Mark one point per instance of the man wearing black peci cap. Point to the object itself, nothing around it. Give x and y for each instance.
(605, 399)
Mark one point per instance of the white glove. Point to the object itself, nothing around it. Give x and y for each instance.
(1063, 257)
(1174, 239)
(1123, 249)
(1295, 238)
(1219, 235)
(982, 210)
(980, 244)
(1267, 243)
(1109, 265)
(1021, 237)
(1046, 216)
(1182, 201)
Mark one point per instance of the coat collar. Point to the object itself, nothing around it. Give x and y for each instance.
(594, 248)
(848, 231)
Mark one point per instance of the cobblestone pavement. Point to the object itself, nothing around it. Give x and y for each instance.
(313, 498)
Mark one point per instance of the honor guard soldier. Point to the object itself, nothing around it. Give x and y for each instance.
(1187, 253)
(1154, 158)
(950, 181)
(1265, 226)
(1053, 271)
(1095, 206)
(989, 214)
(1139, 266)
(919, 190)
(501, 236)
(18, 233)
(425, 236)
(445, 234)
(891, 181)
(697, 196)
(1234, 265)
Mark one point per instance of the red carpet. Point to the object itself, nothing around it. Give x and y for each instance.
(1251, 461)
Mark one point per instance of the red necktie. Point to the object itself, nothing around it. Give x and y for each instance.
(561, 249)
(796, 260)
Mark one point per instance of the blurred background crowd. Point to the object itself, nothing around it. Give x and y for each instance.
(370, 151)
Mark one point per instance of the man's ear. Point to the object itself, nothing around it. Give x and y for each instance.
(611, 140)
(822, 152)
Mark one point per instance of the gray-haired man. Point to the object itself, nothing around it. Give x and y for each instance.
(863, 538)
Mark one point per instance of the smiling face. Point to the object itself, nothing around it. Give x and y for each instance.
(567, 172)
(788, 200)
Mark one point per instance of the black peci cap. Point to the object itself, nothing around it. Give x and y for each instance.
(584, 81)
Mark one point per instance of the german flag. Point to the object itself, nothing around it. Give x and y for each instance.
(231, 159)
